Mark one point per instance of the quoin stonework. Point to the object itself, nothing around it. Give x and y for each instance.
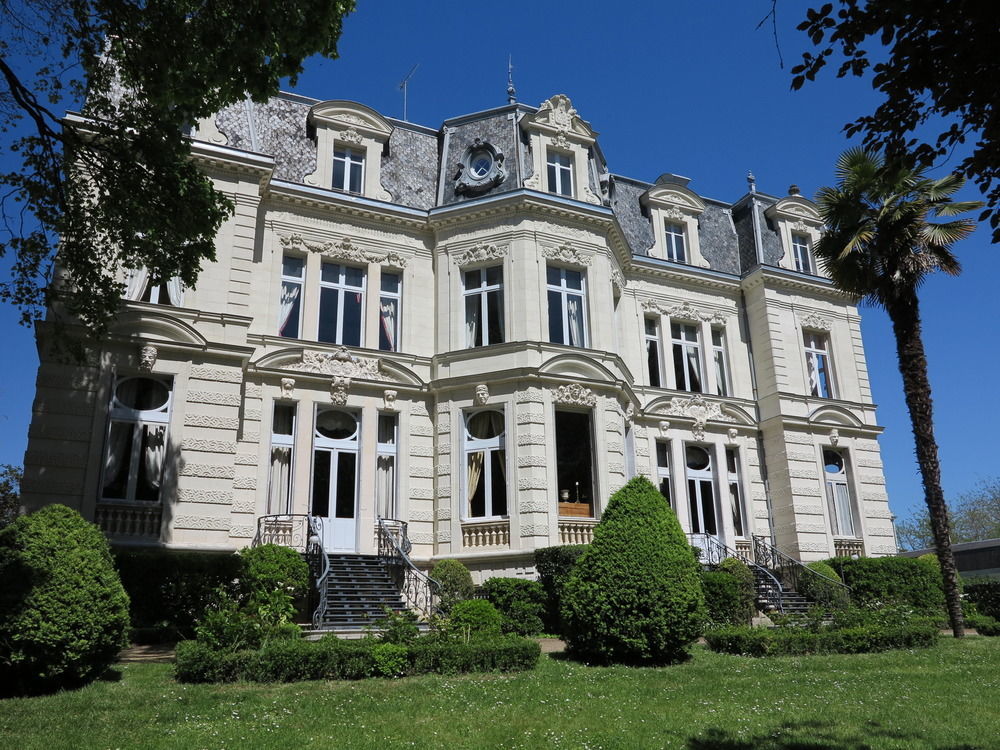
(479, 330)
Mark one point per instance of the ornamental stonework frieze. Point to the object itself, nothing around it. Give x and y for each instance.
(566, 253)
(815, 322)
(574, 394)
(684, 311)
(481, 253)
(340, 363)
(345, 249)
(698, 409)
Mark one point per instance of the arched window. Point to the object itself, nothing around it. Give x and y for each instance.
(137, 439)
(838, 495)
(486, 464)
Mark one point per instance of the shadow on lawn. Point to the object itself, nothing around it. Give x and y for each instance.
(809, 735)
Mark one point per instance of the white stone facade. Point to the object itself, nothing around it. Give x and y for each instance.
(397, 330)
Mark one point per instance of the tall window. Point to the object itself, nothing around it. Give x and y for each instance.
(335, 464)
(721, 363)
(687, 356)
(341, 304)
(279, 489)
(486, 464)
(348, 170)
(137, 439)
(385, 466)
(654, 360)
(560, 169)
(290, 304)
(818, 364)
(388, 312)
(838, 496)
(802, 253)
(138, 287)
(484, 306)
(575, 463)
(567, 296)
(674, 241)
(735, 490)
(663, 470)
(701, 492)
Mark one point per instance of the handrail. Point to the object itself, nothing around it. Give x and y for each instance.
(318, 558)
(792, 572)
(717, 552)
(418, 589)
(305, 534)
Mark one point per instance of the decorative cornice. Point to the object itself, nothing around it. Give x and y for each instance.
(338, 364)
(345, 250)
(684, 311)
(698, 409)
(566, 253)
(574, 394)
(481, 253)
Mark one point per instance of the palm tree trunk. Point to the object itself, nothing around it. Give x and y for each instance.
(905, 315)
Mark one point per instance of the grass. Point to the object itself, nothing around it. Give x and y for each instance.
(944, 698)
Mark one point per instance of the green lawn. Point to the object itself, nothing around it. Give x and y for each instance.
(945, 698)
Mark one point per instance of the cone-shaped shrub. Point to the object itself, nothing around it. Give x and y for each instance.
(635, 595)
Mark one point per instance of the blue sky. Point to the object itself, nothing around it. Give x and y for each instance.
(681, 86)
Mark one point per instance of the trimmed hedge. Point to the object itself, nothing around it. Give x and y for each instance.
(554, 565)
(748, 641)
(271, 567)
(63, 611)
(335, 659)
(877, 581)
(988, 627)
(456, 583)
(170, 589)
(635, 594)
(723, 598)
(475, 617)
(985, 594)
(747, 585)
(520, 602)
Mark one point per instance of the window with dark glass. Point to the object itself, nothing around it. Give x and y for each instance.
(574, 463)
(483, 294)
(687, 356)
(341, 304)
(137, 439)
(560, 173)
(567, 298)
(348, 170)
(388, 312)
(290, 302)
(486, 464)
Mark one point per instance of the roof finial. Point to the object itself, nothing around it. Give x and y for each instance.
(752, 182)
(511, 91)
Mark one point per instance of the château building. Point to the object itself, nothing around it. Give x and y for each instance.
(476, 329)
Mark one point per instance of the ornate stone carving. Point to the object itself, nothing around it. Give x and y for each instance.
(561, 141)
(834, 437)
(560, 112)
(482, 394)
(389, 399)
(698, 409)
(574, 394)
(340, 363)
(815, 322)
(618, 279)
(288, 387)
(629, 412)
(345, 250)
(481, 253)
(684, 311)
(732, 433)
(664, 427)
(147, 358)
(349, 135)
(201, 372)
(566, 253)
(338, 390)
(533, 183)
(673, 213)
(471, 179)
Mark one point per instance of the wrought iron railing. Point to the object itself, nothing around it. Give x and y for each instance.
(795, 576)
(419, 591)
(713, 552)
(304, 534)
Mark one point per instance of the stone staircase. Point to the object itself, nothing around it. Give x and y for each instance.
(792, 602)
(358, 589)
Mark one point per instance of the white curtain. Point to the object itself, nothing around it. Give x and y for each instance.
(734, 504)
(289, 299)
(475, 472)
(574, 316)
(388, 311)
(154, 453)
(135, 284)
(118, 444)
(694, 369)
(278, 495)
(811, 365)
(175, 291)
(385, 486)
(840, 510)
(472, 312)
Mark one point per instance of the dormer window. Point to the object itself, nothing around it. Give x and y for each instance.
(560, 173)
(802, 253)
(348, 170)
(798, 224)
(674, 242)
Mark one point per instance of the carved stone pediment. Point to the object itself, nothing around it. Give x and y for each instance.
(698, 409)
(339, 364)
(346, 250)
(481, 253)
(574, 394)
(558, 117)
(566, 253)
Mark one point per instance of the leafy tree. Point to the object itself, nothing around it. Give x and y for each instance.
(939, 70)
(974, 515)
(117, 188)
(880, 245)
(10, 493)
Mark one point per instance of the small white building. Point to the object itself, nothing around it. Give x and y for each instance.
(476, 329)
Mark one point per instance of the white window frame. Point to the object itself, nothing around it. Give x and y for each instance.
(663, 470)
(816, 345)
(482, 291)
(139, 419)
(737, 496)
(684, 347)
(564, 292)
(654, 340)
(835, 499)
(675, 241)
(289, 281)
(342, 288)
(488, 446)
(349, 158)
(387, 453)
(392, 296)
(559, 172)
(696, 501)
(282, 441)
(720, 361)
(802, 252)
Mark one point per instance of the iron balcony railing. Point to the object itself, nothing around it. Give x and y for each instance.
(304, 534)
(420, 592)
(793, 574)
(713, 552)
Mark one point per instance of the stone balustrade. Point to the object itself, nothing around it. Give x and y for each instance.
(131, 520)
(486, 534)
(848, 547)
(576, 532)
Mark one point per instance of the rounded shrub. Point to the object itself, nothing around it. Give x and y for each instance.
(271, 567)
(520, 603)
(635, 594)
(722, 599)
(476, 617)
(455, 581)
(823, 588)
(63, 610)
(747, 586)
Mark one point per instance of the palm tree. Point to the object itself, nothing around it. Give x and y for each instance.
(880, 244)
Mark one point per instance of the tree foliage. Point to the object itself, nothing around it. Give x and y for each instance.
(10, 493)
(974, 515)
(117, 189)
(938, 72)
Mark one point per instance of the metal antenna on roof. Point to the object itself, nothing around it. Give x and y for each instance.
(511, 91)
(403, 85)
